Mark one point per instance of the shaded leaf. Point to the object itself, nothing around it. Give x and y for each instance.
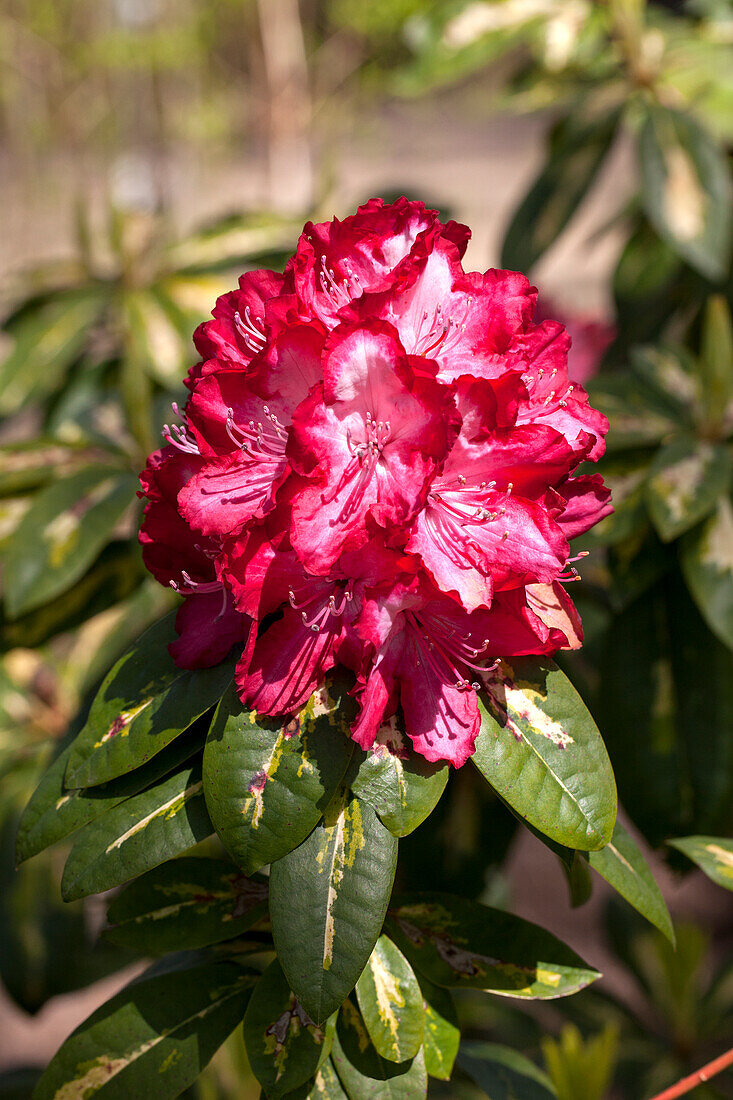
(137, 835)
(61, 534)
(623, 866)
(186, 903)
(504, 1074)
(327, 1085)
(707, 563)
(540, 749)
(365, 1075)
(685, 481)
(686, 189)
(460, 943)
(54, 812)
(328, 898)
(577, 149)
(268, 781)
(402, 786)
(153, 1038)
(284, 1046)
(31, 463)
(391, 1003)
(637, 415)
(145, 701)
(712, 854)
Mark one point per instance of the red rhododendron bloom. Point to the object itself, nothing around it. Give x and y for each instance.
(374, 470)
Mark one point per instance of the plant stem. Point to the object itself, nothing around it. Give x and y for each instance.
(687, 1084)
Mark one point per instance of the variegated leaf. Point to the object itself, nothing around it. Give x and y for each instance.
(367, 1076)
(442, 1031)
(707, 564)
(712, 854)
(686, 479)
(391, 1003)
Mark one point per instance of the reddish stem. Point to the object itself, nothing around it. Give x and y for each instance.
(687, 1084)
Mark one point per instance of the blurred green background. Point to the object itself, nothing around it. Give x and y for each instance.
(151, 150)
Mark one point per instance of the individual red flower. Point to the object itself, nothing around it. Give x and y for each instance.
(375, 469)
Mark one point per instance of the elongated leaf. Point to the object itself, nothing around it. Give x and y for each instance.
(391, 1003)
(540, 750)
(30, 463)
(187, 903)
(55, 811)
(707, 564)
(622, 865)
(671, 372)
(577, 150)
(327, 902)
(442, 1031)
(625, 475)
(716, 362)
(400, 784)
(137, 835)
(503, 1073)
(712, 854)
(61, 534)
(144, 702)
(460, 943)
(48, 338)
(686, 189)
(284, 1046)
(686, 479)
(327, 1085)
(365, 1075)
(268, 781)
(637, 415)
(153, 1038)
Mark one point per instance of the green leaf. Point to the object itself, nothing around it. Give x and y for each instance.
(685, 481)
(460, 943)
(504, 1074)
(622, 865)
(144, 703)
(62, 533)
(365, 1075)
(54, 811)
(712, 854)
(391, 1003)
(268, 781)
(686, 189)
(48, 338)
(402, 786)
(137, 835)
(625, 475)
(30, 463)
(706, 556)
(184, 904)
(716, 362)
(540, 750)
(442, 1031)
(284, 1046)
(153, 1038)
(327, 1085)
(578, 147)
(327, 903)
(637, 415)
(670, 371)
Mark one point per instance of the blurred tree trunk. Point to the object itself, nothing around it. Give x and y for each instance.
(289, 156)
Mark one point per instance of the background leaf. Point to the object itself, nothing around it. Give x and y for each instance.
(712, 854)
(707, 564)
(504, 1074)
(327, 902)
(685, 481)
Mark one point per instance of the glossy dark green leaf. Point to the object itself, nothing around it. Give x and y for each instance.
(686, 479)
(366, 1076)
(402, 786)
(686, 189)
(284, 1046)
(503, 1073)
(145, 701)
(391, 1003)
(712, 854)
(268, 781)
(62, 533)
(153, 1038)
(540, 749)
(442, 1031)
(55, 811)
(463, 944)
(623, 866)
(47, 339)
(328, 898)
(184, 904)
(137, 835)
(707, 564)
(327, 1085)
(578, 147)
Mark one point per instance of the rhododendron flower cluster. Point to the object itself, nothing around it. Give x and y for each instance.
(374, 470)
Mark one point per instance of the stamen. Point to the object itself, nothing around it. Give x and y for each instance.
(252, 332)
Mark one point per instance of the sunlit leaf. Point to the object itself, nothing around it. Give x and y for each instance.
(712, 854)
(391, 1003)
